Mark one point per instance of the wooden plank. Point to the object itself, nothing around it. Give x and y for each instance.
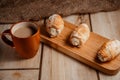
(86, 53)
(108, 25)
(19, 75)
(57, 66)
(78, 19)
(9, 59)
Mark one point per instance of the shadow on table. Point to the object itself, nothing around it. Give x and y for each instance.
(8, 53)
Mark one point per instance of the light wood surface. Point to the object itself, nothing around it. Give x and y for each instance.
(86, 53)
(19, 75)
(107, 25)
(58, 66)
(50, 64)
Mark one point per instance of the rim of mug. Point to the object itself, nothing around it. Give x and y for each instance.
(38, 31)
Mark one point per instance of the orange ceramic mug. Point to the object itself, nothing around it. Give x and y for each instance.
(25, 38)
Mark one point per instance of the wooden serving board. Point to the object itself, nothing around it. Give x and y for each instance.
(86, 53)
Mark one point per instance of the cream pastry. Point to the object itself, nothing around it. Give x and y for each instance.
(109, 50)
(80, 35)
(54, 25)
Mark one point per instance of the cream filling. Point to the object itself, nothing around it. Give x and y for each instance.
(53, 32)
(101, 58)
(75, 41)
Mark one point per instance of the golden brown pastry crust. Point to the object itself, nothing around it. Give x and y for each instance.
(54, 24)
(109, 50)
(80, 35)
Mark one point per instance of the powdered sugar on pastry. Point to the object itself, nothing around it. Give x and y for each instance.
(109, 50)
(54, 25)
(80, 35)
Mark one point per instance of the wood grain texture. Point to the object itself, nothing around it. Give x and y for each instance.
(78, 19)
(9, 58)
(57, 66)
(108, 25)
(87, 52)
(19, 75)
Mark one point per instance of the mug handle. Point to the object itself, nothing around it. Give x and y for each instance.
(5, 39)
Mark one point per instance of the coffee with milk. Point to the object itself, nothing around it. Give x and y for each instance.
(24, 32)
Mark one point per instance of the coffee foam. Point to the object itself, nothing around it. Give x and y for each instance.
(22, 25)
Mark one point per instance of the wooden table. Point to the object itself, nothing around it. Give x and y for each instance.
(50, 64)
